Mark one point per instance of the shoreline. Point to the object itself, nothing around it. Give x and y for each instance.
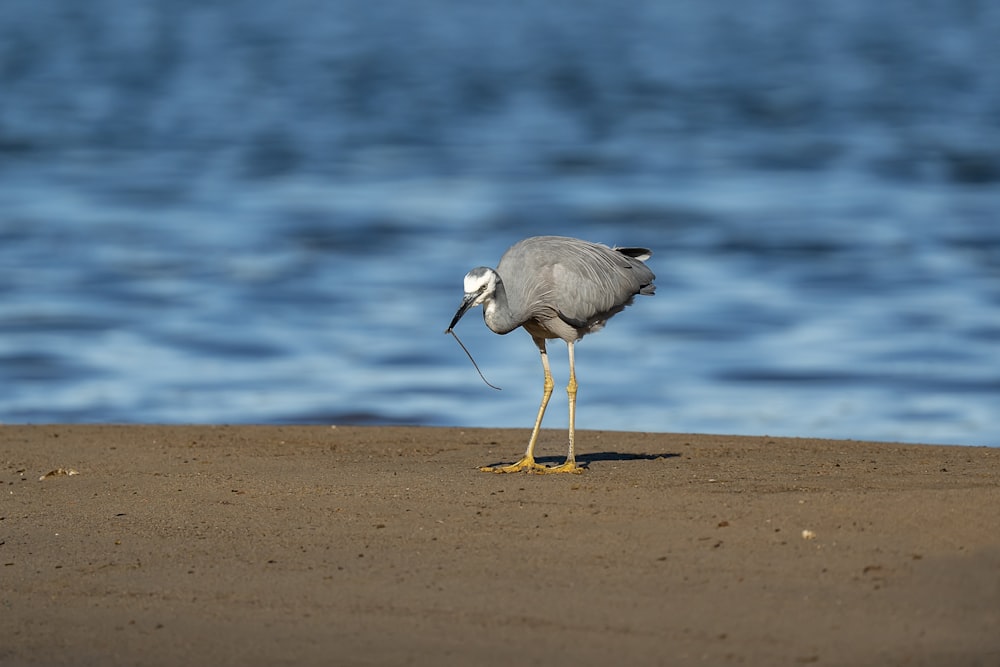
(265, 545)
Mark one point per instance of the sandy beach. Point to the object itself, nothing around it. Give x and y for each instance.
(260, 545)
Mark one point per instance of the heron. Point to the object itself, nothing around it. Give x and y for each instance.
(555, 287)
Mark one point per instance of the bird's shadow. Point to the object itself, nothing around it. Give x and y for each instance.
(584, 460)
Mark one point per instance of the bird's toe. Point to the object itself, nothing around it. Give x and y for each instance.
(567, 467)
(527, 464)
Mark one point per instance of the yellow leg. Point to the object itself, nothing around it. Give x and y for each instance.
(527, 463)
(570, 464)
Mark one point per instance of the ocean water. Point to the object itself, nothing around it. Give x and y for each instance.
(252, 212)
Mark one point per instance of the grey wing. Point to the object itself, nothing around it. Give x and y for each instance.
(592, 282)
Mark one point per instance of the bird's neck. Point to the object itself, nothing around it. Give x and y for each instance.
(497, 311)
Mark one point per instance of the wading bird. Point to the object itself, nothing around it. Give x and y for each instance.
(555, 287)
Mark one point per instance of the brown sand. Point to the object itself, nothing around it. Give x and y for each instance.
(383, 546)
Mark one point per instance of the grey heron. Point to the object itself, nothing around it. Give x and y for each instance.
(555, 287)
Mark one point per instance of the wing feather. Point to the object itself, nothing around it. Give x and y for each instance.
(580, 282)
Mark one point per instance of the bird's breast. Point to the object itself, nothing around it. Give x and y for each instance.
(553, 328)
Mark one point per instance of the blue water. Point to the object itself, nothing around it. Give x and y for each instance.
(260, 212)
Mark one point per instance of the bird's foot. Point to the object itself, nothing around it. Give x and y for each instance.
(527, 464)
(569, 466)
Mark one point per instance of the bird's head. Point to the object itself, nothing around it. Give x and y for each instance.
(480, 285)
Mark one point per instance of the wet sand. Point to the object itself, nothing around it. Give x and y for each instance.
(249, 545)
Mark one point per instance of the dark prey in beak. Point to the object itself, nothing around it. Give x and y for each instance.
(466, 302)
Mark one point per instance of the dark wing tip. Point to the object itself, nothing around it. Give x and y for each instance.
(641, 254)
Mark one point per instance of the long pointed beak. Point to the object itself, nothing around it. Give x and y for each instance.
(466, 304)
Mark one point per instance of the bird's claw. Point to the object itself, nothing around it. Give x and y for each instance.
(569, 466)
(528, 465)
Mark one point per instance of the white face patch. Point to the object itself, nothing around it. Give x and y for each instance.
(476, 279)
